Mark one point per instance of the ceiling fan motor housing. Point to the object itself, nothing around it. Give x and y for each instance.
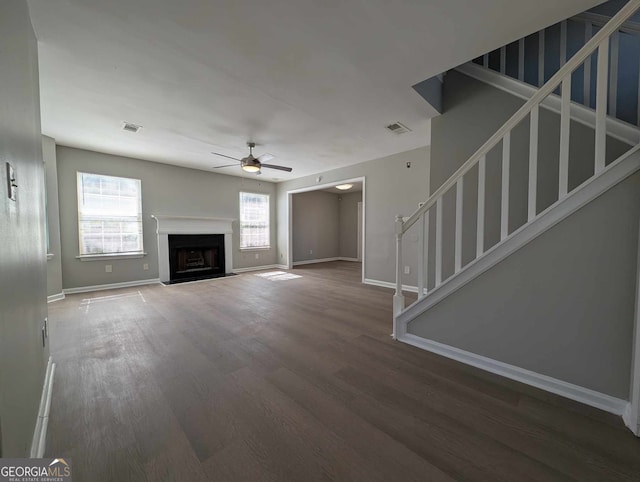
(253, 164)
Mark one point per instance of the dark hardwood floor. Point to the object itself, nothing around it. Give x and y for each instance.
(294, 378)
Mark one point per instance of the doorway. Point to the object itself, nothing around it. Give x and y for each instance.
(316, 235)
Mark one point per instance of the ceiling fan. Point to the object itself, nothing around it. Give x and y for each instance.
(250, 163)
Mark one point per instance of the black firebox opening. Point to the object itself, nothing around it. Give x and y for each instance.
(196, 256)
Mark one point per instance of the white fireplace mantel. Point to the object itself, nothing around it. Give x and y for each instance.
(167, 225)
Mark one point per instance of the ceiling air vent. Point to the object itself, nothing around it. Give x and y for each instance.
(398, 128)
(126, 126)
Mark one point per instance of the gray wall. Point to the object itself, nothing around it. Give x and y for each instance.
(391, 188)
(431, 91)
(562, 305)
(316, 226)
(349, 224)
(167, 190)
(54, 264)
(23, 277)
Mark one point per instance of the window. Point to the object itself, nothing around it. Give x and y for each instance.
(109, 214)
(254, 220)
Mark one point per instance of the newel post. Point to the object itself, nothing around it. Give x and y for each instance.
(398, 299)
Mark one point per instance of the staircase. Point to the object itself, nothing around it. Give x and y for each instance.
(596, 102)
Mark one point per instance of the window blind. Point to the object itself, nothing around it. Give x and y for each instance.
(254, 220)
(109, 214)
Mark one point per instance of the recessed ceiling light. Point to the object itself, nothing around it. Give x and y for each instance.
(344, 187)
(129, 127)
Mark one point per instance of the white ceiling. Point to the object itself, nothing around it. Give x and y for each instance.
(312, 82)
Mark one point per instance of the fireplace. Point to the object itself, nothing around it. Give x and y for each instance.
(185, 231)
(195, 256)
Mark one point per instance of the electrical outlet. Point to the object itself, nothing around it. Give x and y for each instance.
(145, 266)
(257, 256)
(311, 251)
(407, 270)
(108, 268)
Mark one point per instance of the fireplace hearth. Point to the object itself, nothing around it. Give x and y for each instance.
(196, 256)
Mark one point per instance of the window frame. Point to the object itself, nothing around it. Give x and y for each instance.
(268, 221)
(108, 255)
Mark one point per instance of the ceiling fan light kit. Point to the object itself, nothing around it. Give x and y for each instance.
(250, 166)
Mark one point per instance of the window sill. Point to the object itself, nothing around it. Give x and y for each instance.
(267, 248)
(49, 256)
(101, 257)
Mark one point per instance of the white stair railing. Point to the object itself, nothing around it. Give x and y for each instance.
(584, 23)
(599, 42)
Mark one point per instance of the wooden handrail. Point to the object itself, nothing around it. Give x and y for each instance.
(576, 61)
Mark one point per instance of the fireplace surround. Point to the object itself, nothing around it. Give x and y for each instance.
(189, 230)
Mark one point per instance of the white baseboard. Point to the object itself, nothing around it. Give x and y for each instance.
(58, 297)
(111, 286)
(323, 260)
(630, 420)
(40, 431)
(574, 392)
(260, 268)
(389, 284)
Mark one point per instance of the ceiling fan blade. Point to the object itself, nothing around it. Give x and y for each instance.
(281, 168)
(224, 155)
(226, 165)
(265, 157)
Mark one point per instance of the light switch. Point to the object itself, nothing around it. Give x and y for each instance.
(11, 182)
(108, 268)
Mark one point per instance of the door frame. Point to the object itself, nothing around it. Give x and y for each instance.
(320, 187)
(632, 413)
